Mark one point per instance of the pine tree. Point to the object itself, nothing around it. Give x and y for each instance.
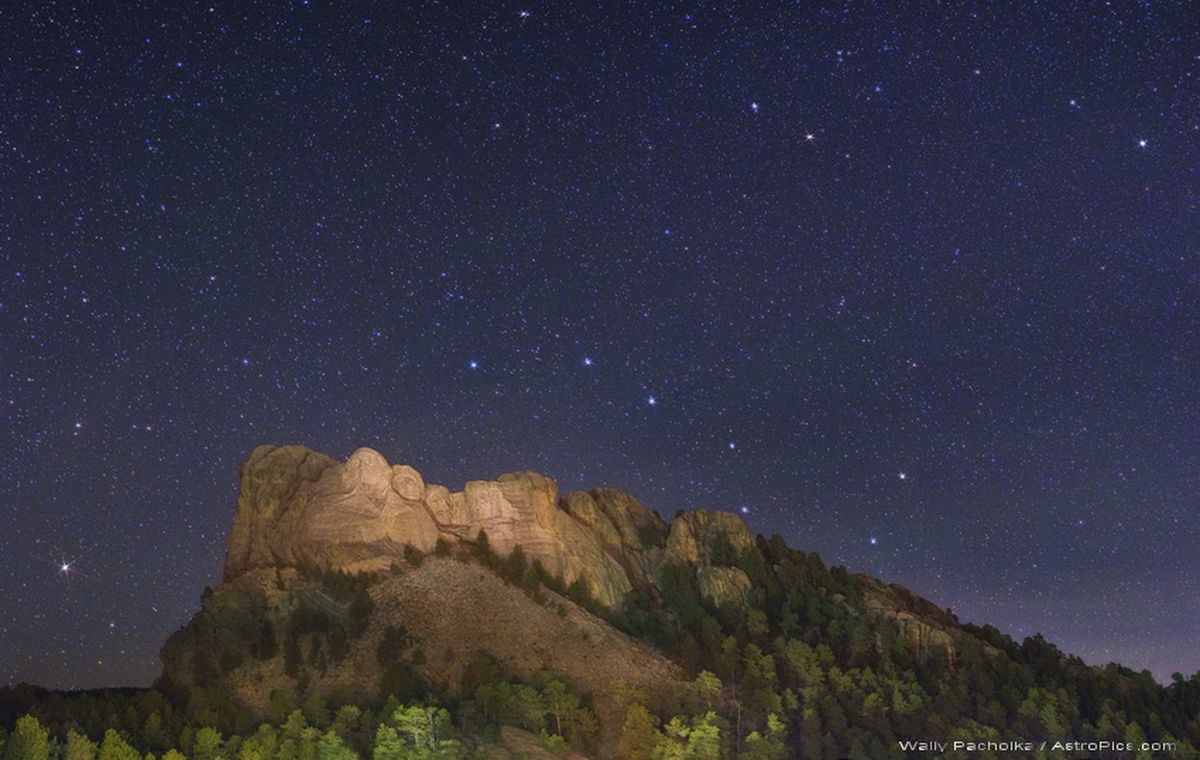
(79, 747)
(114, 747)
(388, 744)
(331, 747)
(29, 741)
(708, 689)
(639, 734)
(208, 744)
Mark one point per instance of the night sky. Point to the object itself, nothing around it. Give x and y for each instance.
(915, 287)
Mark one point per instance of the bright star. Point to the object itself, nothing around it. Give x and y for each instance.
(874, 541)
(745, 510)
(809, 137)
(732, 446)
(903, 476)
(66, 568)
(754, 107)
(473, 364)
(652, 401)
(587, 361)
(1142, 142)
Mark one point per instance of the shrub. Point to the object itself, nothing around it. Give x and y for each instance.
(413, 555)
(395, 641)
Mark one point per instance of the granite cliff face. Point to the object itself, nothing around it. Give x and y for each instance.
(297, 507)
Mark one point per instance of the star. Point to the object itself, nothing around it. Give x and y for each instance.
(66, 568)
(464, 208)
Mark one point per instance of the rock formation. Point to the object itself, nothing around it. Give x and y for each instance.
(281, 623)
(298, 507)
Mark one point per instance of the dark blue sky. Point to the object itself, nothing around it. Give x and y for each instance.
(914, 286)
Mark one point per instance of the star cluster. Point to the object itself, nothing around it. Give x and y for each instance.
(913, 286)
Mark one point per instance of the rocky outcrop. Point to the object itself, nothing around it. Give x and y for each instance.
(297, 507)
(278, 624)
(928, 630)
(696, 536)
(275, 482)
(522, 509)
(628, 531)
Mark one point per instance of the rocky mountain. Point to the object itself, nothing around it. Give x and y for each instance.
(303, 518)
(365, 612)
(299, 507)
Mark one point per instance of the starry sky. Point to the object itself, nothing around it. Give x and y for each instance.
(914, 286)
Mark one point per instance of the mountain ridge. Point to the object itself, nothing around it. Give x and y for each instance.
(532, 623)
(306, 523)
(298, 506)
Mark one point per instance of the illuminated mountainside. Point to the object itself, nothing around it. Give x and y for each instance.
(585, 619)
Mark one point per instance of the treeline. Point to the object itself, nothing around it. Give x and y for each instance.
(144, 726)
(406, 732)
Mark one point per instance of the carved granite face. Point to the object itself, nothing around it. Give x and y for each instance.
(300, 507)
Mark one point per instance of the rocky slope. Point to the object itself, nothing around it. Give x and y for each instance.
(301, 516)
